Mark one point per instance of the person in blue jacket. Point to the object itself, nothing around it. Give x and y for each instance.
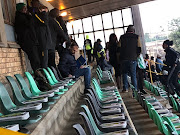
(68, 66)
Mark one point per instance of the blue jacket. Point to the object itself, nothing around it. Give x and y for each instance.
(67, 64)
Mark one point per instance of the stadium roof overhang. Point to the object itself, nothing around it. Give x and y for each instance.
(84, 8)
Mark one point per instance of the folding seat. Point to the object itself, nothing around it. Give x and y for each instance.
(14, 118)
(94, 130)
(101, 117)
(54, 93)
(105, 109)
(8, 107)
(14, 127)
(79, 129)
(20, 100)
(110, 126)
(56, 81)
(163, 126)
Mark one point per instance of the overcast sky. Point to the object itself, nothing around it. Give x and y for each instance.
(158, 13)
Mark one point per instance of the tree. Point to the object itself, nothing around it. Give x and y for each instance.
(174, 27)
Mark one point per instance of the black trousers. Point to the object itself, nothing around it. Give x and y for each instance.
(51, 58)
(43, 55)
(89, 55)
(33, 56)
(140, 76)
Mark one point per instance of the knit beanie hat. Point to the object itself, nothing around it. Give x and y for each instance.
(19, 6)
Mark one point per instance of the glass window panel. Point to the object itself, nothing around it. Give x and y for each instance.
(97, 22)
(125, 29)
(77, 25)
(107, 20)
(87, 24)
(117, 18)
(100, 35)
(69, 27)
(80, 40)
(127, 16)
(107, 34)
(119, 32)
(91, 37)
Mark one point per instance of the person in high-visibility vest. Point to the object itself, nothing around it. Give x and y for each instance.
(88, 47)
(101, 57)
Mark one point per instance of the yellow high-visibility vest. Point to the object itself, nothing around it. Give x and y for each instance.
(99, 53)
(88, 47)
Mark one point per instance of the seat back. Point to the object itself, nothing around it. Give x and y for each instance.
(79, 129)
(173, 102)
(24, 86)
(6, 102)
(57, 73)
(91, 116)
(52, 75)
(34, 89)
(18, 97)
(91, 127)
(51, 82)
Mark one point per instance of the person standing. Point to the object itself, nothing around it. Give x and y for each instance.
(41, 25)
(88, 47)
(26, 35)
(113, 58)
(159, 64)
(130, 49)
(56, 32)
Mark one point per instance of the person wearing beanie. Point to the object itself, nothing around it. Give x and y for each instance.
(25, 34)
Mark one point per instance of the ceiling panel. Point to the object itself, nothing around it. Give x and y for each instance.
(83, 8)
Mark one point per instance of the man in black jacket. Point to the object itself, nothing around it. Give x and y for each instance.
(130, 48)
(56, 32)
(68, 66)
(41, 25)
(26, 36)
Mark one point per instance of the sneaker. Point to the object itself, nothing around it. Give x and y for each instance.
(124, 90)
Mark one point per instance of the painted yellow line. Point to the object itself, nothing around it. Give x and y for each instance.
(9, 132)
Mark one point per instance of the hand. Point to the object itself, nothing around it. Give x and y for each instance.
(69, 75)
(81, 66)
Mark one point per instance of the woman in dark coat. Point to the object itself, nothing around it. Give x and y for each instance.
(113, 59)
(173, 67)
(26, 36)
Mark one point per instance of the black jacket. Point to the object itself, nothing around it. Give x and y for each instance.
(113, 54)
(26, 36)
(67, 64)
(129, 46)
(56, 32)
(43, 31)
(171, 56)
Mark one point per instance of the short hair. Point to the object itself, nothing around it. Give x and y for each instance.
(53, 12)
(74, 44)
(131, 28)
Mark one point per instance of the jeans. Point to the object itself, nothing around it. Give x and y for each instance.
(86, 72)
(129, 67)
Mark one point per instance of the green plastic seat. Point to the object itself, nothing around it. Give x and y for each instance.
(175, 107)
(54, 78)
(35, 90)
(8, 107)
(162, 126)
(20, 100)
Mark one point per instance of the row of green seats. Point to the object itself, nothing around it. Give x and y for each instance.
(28, 103)
(167, 122)
(104, 76)
(155, 89)
(103, 113)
